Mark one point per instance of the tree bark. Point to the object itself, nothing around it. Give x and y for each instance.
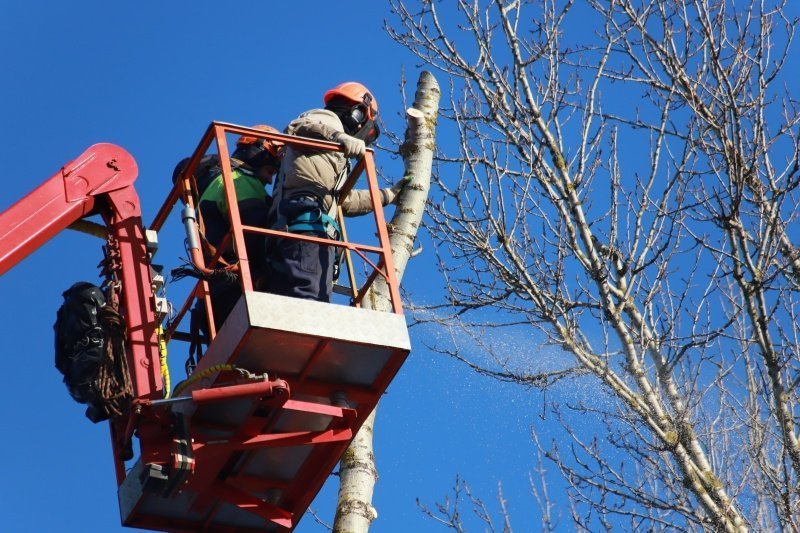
(357, 472)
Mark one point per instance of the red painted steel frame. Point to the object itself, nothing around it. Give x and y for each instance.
(66, 197)
(100, 180)
(255, 433)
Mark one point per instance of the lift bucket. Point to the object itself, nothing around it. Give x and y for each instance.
(254, 462)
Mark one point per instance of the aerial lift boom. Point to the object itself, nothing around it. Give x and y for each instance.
(100, 180)
(283, 385)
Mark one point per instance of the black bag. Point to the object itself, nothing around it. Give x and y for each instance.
(80, 340)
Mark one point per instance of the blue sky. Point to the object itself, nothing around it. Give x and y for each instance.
(150, 76)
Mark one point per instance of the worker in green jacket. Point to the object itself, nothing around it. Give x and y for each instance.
(253, 164)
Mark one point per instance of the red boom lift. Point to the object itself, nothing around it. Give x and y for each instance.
(229, 453)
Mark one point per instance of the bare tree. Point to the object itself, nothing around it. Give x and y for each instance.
(625, 183)
(357, 472)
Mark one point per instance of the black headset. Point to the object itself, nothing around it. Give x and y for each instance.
(353, 119)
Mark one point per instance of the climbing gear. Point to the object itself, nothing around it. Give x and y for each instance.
(322, 224)
(90, 351)
(80, 339)
(115, 390)
(315, 221)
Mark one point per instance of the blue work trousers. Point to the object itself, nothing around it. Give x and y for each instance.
(301, 269)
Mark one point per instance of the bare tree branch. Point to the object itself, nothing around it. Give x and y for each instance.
(630, 193)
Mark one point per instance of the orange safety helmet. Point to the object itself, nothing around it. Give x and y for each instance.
(356, 93)
(273, 147)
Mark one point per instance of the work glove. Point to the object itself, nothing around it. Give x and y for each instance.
(390, 194)
(352, 147)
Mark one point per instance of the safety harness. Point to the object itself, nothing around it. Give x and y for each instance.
(316, 221)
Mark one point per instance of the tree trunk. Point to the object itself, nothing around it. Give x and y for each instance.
(357, 472)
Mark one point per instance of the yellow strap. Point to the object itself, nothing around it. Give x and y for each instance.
(162, 357)
(200, 375)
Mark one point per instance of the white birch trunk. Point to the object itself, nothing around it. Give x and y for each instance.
(357, 472)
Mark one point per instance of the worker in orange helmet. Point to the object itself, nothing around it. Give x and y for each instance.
(305, 195)
(254, 163)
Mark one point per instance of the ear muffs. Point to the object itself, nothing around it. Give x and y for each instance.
(265, 158)
(354, 118)
(357, 122)
(256, 156)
